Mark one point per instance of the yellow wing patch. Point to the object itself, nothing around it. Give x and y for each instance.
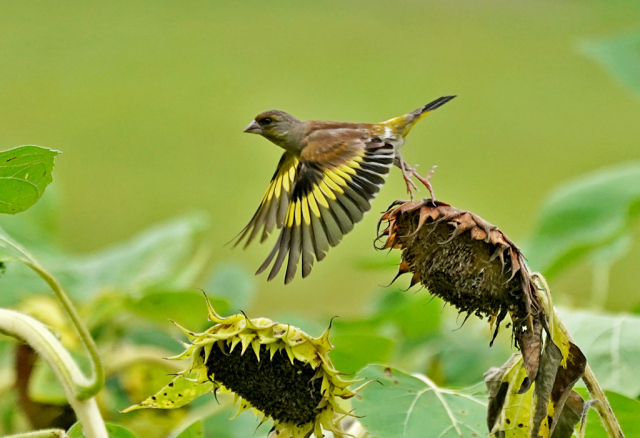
(282, 179)
(273, 209)
(316, 204)
(313, 205)
(320, 197)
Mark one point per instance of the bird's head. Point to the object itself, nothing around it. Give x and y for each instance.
(276, 126)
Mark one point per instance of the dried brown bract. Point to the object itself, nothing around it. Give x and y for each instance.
(469, 263)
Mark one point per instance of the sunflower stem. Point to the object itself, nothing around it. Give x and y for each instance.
(83, 387)
(38, 337)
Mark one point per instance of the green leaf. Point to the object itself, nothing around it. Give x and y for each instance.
(399, 405)
(25, 172)
(611, 344)
(610, 253)
(217, 424)
(113, 431)
(462, 356)
(188, 308)
(157, 257)
(235, 283)
(10, 250)
(620, 55)
(38, 226)
(586, 215)
(417, 315)
(177, 393)
(355, 348)
(44, 386)
(627, 412)
(195, 430)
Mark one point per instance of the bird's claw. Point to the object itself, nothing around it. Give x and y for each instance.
(426, 182)
(411, 186)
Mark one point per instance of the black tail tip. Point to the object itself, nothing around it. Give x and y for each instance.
(437, 103)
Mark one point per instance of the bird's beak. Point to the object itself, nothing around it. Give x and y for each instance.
(253, 128)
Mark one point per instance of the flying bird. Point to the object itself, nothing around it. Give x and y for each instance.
(324, 182)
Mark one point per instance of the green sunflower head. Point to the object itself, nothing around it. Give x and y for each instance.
(275, 369)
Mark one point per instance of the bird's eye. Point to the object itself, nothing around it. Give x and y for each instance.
(266, 121)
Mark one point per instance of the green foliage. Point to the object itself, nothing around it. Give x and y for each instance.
(398, 405)
(611, 344)
(196, 430)
(44, 386)
(184, 307)
(627, 411)
(25, 172)
(356, 348)
(113, 430)
(128, 291)
(38, 226)
(414, 331)
(593, 214)
(216, 422)
(235, 283)
(162, 256)
(620, 55)
(416, 316)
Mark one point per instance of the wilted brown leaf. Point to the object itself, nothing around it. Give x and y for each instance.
(512, 411)
(553, 386)
(509, 411)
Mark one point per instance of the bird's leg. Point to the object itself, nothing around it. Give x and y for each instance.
(425, 181)
(407, 171)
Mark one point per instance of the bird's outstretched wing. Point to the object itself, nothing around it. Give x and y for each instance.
(317, 198)
(275, 202)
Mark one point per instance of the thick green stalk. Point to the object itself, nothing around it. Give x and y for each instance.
(36, 334)
(87, 387)
(84, 387)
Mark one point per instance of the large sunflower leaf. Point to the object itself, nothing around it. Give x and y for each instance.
(354, 348)
(398, 405)
(584, 216)
(187, 307)
(611, 344)
(25, 172)
(162, 256)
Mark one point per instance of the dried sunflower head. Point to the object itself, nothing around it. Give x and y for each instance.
(469, 263)
(278, 370)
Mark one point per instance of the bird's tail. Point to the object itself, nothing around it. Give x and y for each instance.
(423, 111)
(403, 124)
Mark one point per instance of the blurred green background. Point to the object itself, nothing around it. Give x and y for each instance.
(148, 100)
